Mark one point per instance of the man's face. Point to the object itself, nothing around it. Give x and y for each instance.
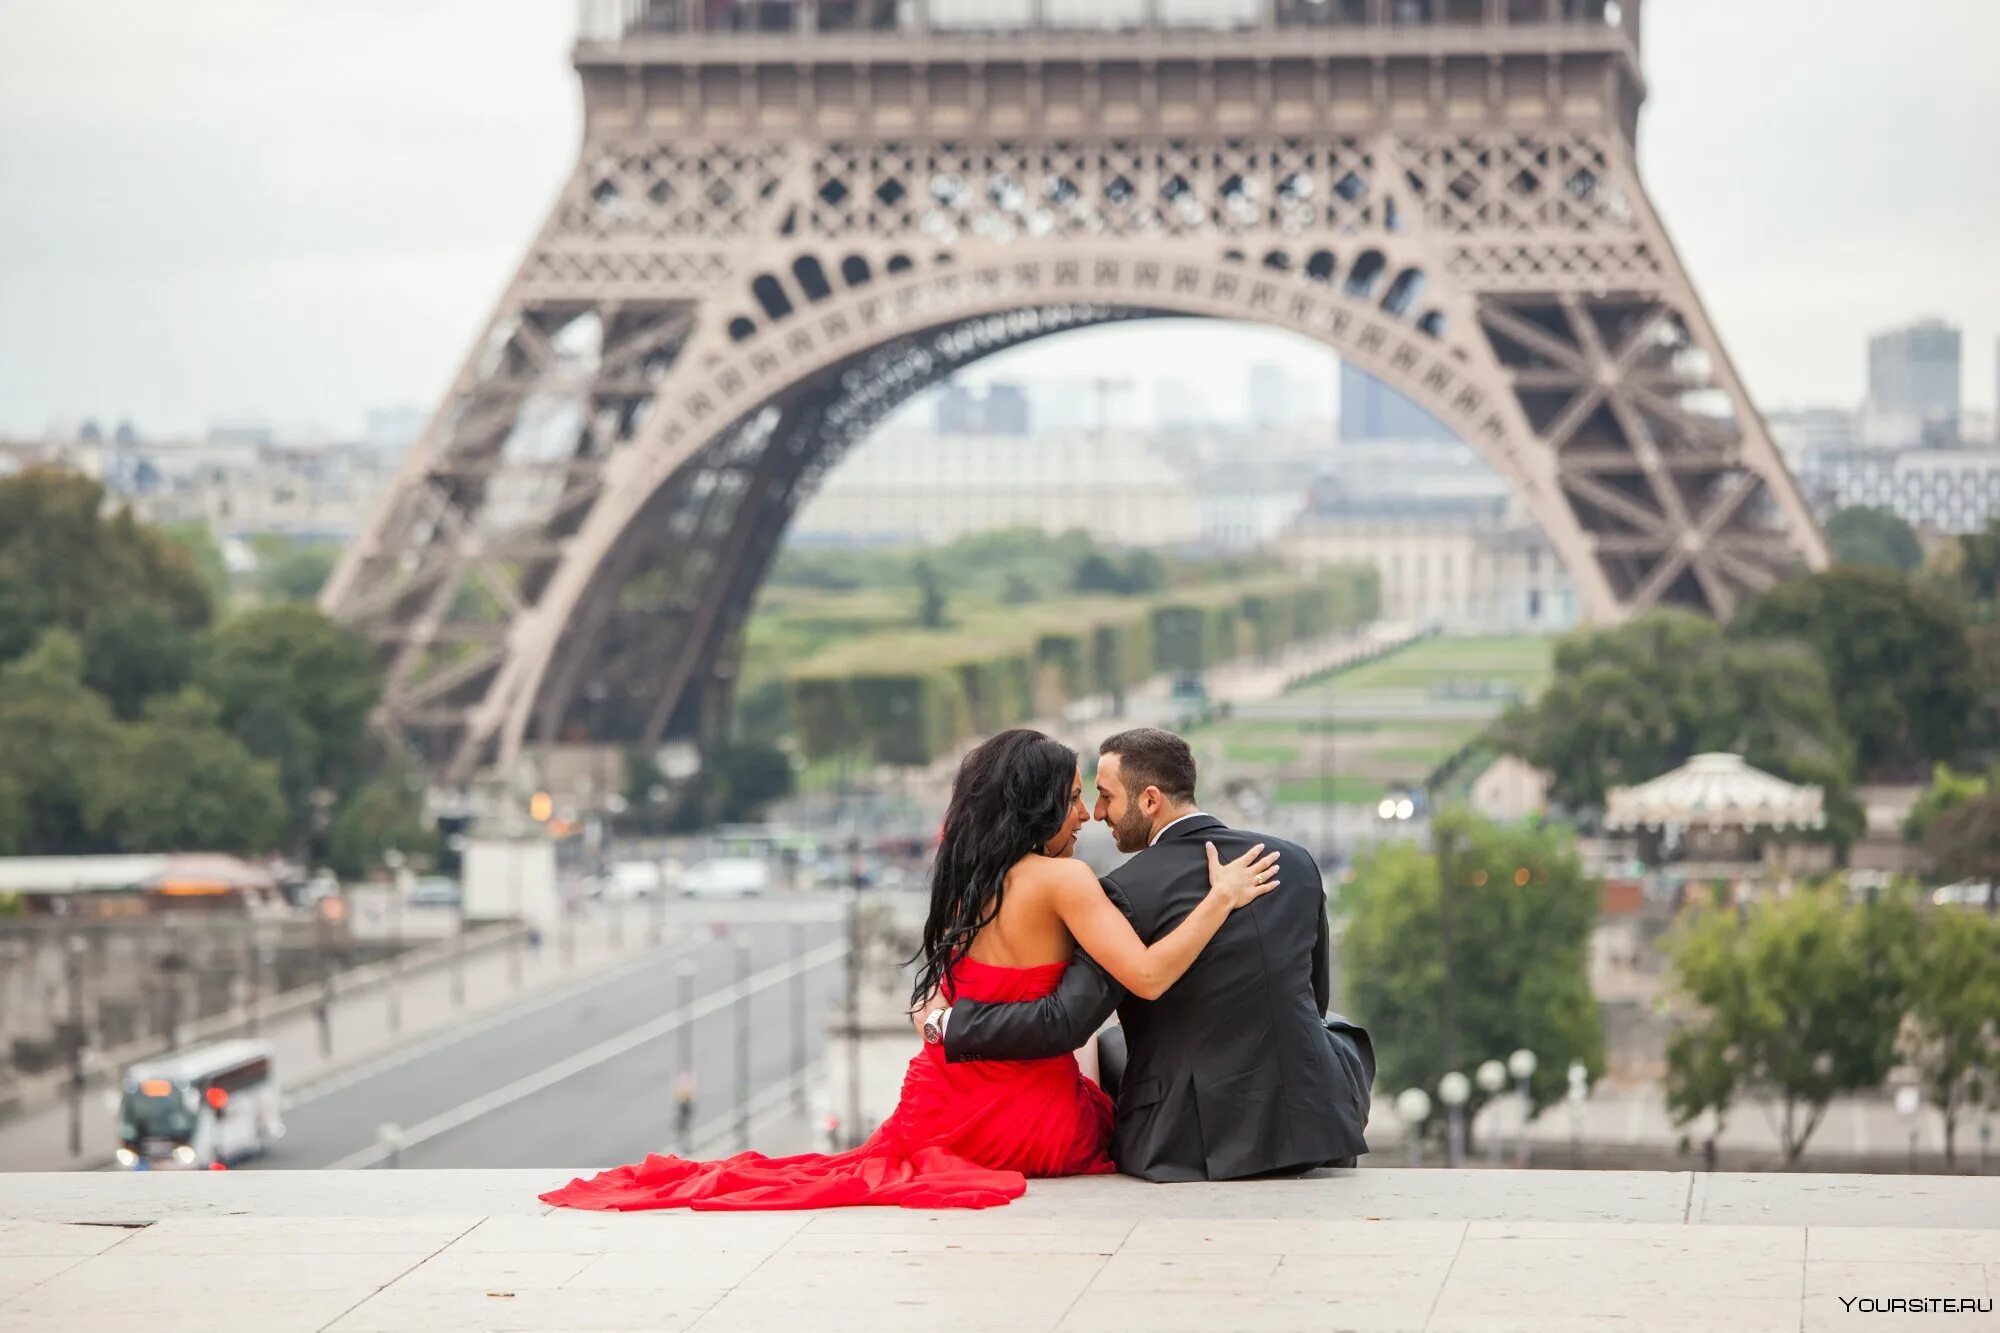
(1130, 818)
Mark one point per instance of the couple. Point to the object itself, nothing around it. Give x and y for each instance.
(1229, 1066)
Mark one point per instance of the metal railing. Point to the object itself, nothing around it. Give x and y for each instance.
(610, 21)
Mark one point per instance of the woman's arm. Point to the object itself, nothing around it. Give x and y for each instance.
(1102, 931)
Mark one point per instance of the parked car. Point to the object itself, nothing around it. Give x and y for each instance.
(631, 879)
(436, 891)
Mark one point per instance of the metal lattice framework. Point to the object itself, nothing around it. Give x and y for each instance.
(771, 240)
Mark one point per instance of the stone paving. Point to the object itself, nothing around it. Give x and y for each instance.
(1373, 1249)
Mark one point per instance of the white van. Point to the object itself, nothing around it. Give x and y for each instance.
(726, 877)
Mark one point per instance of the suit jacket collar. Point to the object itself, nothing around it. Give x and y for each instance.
(1190, 826)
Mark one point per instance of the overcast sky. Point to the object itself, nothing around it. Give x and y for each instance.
(295, 210)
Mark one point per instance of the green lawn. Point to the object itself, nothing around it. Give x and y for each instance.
(1404, 746)
(1245, 753)
(1522, 662)
(1346, 789)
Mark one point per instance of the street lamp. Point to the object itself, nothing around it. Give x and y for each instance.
(1491, 1076)
(1453, 1090)
(393, 858)
(743, 1042)
(1413, 1107)
(799, 1013)
(1579, 1090)
(1522, 1065)
(684, 1084)
(1908, 1102)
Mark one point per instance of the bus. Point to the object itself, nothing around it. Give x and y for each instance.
(202, 1108)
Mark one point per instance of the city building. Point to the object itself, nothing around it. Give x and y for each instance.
(1914, 375)
(1248, 507)
(1470, 565)
(905, 485)
(1936, 490)
(992, 409)
(1371, 411)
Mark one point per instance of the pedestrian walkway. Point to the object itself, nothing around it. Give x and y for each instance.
(381, 1012)
(1541, 1252)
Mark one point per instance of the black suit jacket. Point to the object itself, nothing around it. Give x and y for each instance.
(1235, 1071)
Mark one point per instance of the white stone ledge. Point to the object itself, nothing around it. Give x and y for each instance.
(1652, 1197)
(1449, 1251)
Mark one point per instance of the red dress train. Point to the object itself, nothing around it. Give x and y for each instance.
(963, 1136)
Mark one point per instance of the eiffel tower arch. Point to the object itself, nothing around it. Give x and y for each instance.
(789, 216)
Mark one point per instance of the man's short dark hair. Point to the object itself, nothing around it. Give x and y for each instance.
(1150, 757)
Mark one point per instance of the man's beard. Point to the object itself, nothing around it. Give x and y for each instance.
(1132, 832)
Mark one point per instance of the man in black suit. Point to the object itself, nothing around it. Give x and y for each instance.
(1237, 1070)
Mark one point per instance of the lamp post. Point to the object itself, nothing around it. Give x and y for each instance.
(1908, 1102)
(74, 1039)
(394, 860)
(684, 1085)
(1579, 1090)
(853, 1128)
(1453, 1090)
(743, 1042)
(1522, 1065)
(1413, 1107)
(1491, 1076)
(799, 1014)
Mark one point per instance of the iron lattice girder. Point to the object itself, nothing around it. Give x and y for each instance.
(708, 320)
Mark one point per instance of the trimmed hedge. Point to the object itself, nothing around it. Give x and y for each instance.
(910, 697)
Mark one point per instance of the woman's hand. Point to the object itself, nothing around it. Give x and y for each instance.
(1244, 880)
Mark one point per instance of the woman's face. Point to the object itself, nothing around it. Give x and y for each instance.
(1064, 843)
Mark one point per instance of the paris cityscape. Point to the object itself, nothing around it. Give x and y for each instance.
(520, 526)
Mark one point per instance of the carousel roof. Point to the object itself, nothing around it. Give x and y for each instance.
(1716, 791)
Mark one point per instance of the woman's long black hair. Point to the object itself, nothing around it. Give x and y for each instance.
(1010, 798)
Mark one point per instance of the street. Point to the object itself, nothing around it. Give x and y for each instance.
(506, 1089)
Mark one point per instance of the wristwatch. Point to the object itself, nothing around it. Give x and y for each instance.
(934, 1026)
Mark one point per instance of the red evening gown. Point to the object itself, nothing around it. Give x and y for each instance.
(963, 1136)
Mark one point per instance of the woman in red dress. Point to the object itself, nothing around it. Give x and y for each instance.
(1009, 905)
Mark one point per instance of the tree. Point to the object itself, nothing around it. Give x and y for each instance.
(182, 783)
(297, 573)
(194, 540)
(1963, 841)
(1097, 573)
(380, 814)
(58, 744)
(1877, 537)
(295, 688)
(930, 594)
(1952, 1033)
(1801, 996)
(1895, 652)
(135, 653)
(1522, 915)
(65, 564)
(1629, 703)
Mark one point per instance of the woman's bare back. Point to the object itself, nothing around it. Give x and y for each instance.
(1028, 931)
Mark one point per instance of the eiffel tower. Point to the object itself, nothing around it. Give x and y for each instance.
(789, 216)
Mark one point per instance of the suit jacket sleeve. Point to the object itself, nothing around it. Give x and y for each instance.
(1323, 960)
(1056, 1024)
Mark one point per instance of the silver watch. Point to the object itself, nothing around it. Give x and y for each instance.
(934, 1027)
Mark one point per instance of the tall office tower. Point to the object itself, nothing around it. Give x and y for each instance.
(1913, 372)
(1371, 410)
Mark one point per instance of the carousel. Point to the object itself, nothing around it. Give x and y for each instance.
(1717, 821)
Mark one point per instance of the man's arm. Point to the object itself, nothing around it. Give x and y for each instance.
(1323, 961)
(1037, 1029)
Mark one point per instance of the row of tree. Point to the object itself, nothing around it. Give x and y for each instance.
(135, 717)
(1808, 997)
(1848, 675)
